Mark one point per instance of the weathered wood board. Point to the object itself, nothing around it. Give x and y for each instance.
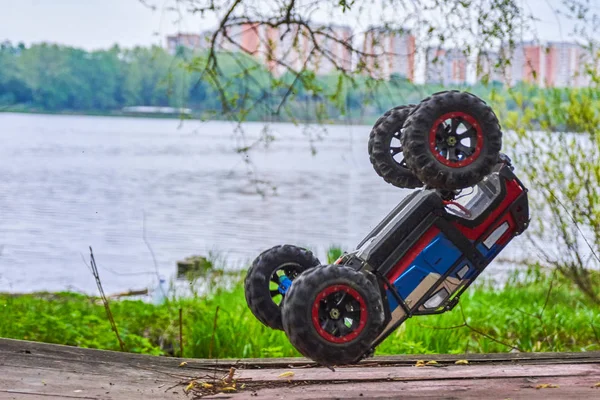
(44, 371)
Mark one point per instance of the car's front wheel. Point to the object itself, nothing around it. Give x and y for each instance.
(451, 140)
(333, 314)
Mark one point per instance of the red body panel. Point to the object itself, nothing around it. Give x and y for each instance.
(513, 190)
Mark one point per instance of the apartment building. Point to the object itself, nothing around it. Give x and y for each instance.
(326, 50)
(487, 67)
(551, 64)
(445, 66)
(528, 64)
(389, 53)
(282, 48)
(190, 41)
(565, 65)
(334, 43)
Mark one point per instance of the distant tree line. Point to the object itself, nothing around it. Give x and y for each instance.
(56, 78)
(53, 78)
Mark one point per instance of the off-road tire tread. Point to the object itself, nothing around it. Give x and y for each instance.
(298, 324)
(256, 283)
(379, 155)
(415, 141)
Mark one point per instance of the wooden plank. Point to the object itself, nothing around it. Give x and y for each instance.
(74, 353)
(514, 389)
(427, 373)
(44, 371)
(30, 383)
(65, 357)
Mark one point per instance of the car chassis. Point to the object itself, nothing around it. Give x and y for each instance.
(431, 247)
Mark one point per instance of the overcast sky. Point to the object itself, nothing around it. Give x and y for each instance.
(95, 24)
(91, 24)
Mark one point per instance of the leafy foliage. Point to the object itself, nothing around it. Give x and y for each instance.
(558, 143)
(58, 78)
(532, 312)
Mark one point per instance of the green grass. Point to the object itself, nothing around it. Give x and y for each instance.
(498, 318)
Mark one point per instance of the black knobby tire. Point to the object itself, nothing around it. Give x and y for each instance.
(298, 315)
(292, 260)
(386, 158)
(440, 163)
(387, 114)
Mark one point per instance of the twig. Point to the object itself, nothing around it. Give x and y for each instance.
(483, 333)
(548, 294)
(595, 332)
(94, 269)
(151, 251)
(212, 338)
(181, 331)
(572, 219)
(141, 292)
(443, 328)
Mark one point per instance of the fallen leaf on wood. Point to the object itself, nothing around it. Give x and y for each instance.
(286, 374)
(597, 385)
(206, 385)
(183, 364)
(432, 362)
(229, 389)
(190, 386)
(546, 386)
(461, 362)
(420, 363)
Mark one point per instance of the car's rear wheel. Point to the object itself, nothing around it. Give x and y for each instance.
(385, 149)
(270, 277)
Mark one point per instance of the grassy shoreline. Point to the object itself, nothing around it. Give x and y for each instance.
(531, 312)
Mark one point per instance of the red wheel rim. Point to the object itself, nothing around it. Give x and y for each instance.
(447, 144)
(351, 307)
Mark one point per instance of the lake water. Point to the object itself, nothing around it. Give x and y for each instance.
(69, 182)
